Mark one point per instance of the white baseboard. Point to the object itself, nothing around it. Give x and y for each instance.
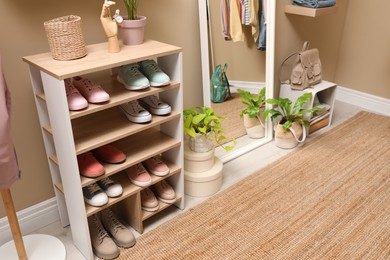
(253, 87)
(31, 219)
(366, 101)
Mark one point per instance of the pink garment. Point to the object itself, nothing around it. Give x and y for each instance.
(9, 170)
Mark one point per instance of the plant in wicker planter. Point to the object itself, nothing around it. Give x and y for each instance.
(251, 115)
(290, 119)
(133, 26)
(201, 124)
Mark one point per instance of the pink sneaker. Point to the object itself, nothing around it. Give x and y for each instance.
(94, 93)
(109, 154)
(89, 166)
(156, 166)
(75, 100)
(139, 176)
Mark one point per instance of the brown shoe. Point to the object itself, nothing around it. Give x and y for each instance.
(119, 233)
(164, 192)
(148, 200)
(102, 244)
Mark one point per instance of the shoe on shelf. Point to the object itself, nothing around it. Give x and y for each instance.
(121, 235)
(139, 176)
(75, 100)
(91, 91)
(102, 244)
(155, 166)
(155, 75)
(149, 201)
(109, 154)
(155, 106)
(94, 195)
(89, 166)
(164, 192)
(135, 113)
(111, 188)
(132, 78)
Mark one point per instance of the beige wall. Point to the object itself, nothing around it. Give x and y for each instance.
(364, 55)
(176, 22)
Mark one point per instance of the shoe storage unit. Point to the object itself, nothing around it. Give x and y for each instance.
(67, 134)
(325, 93)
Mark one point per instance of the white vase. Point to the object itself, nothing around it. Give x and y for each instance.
(201, 144)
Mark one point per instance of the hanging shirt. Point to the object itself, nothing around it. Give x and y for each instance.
(236, 31)
(225, 20)
(9, 171)
(253, 6)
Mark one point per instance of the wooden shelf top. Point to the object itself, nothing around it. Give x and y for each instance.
(98, 58)
(311, 12)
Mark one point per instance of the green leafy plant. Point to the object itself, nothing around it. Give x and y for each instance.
(286, 112)
(253, 102)
(131, 6)
(203, 121)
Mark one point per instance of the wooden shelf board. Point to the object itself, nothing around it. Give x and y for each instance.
(98, 58)
(311, 12)
(108, 126)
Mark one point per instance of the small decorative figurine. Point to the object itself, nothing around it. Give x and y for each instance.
(110, 26)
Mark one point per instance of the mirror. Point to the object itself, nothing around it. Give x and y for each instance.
(215, 50)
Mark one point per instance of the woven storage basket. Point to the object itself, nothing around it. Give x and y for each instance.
(65, 37)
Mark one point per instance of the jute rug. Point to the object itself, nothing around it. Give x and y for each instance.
(230, 110)
(329, 199)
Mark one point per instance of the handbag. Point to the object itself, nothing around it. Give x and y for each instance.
(220, 88)
(306, 70)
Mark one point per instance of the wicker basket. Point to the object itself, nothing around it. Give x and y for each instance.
(65, 37)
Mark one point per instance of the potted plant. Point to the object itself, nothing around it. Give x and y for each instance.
(203, 126)
(291, 119)
(251, 115)
(133, 25)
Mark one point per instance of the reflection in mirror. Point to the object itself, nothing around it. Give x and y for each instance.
(249, 70)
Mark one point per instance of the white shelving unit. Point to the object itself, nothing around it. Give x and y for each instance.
(325, 92)
(67, 134)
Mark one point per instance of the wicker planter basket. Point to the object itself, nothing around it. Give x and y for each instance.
(65, 37)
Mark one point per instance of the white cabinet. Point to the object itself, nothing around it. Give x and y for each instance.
(324, 92)
(67, 134)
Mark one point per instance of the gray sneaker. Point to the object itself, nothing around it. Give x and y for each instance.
(103, 246)
(135, 113)
(155, 75)
(120, 234)
(111, 188)
(155, 106)
(130, 76)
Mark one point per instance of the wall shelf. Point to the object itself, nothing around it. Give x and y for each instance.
(310, 12)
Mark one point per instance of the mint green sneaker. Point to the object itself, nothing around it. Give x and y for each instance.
(156, 76)
(130, 76)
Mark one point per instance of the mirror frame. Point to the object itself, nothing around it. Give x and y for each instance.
(269, 74)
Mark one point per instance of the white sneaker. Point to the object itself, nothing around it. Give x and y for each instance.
(155, 106)
(111, 188)
(135, 113)
(94, 195)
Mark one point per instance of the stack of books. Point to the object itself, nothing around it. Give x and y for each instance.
(321, 119)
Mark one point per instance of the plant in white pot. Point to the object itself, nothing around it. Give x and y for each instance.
(203, 127)
(133, 26)
(251, 115)
(290, 119)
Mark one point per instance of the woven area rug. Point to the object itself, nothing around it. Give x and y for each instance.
(230, 111)
(329, 199)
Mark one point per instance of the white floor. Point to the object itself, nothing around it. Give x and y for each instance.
(234, 171)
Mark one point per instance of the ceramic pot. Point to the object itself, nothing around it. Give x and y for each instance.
(132, 31)
(201, 144)
(289, 139)
(253, 126)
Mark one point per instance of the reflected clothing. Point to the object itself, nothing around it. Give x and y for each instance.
(315, 3)
(261, 43)
(225, 19)
(9, 170)
(236, 31)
